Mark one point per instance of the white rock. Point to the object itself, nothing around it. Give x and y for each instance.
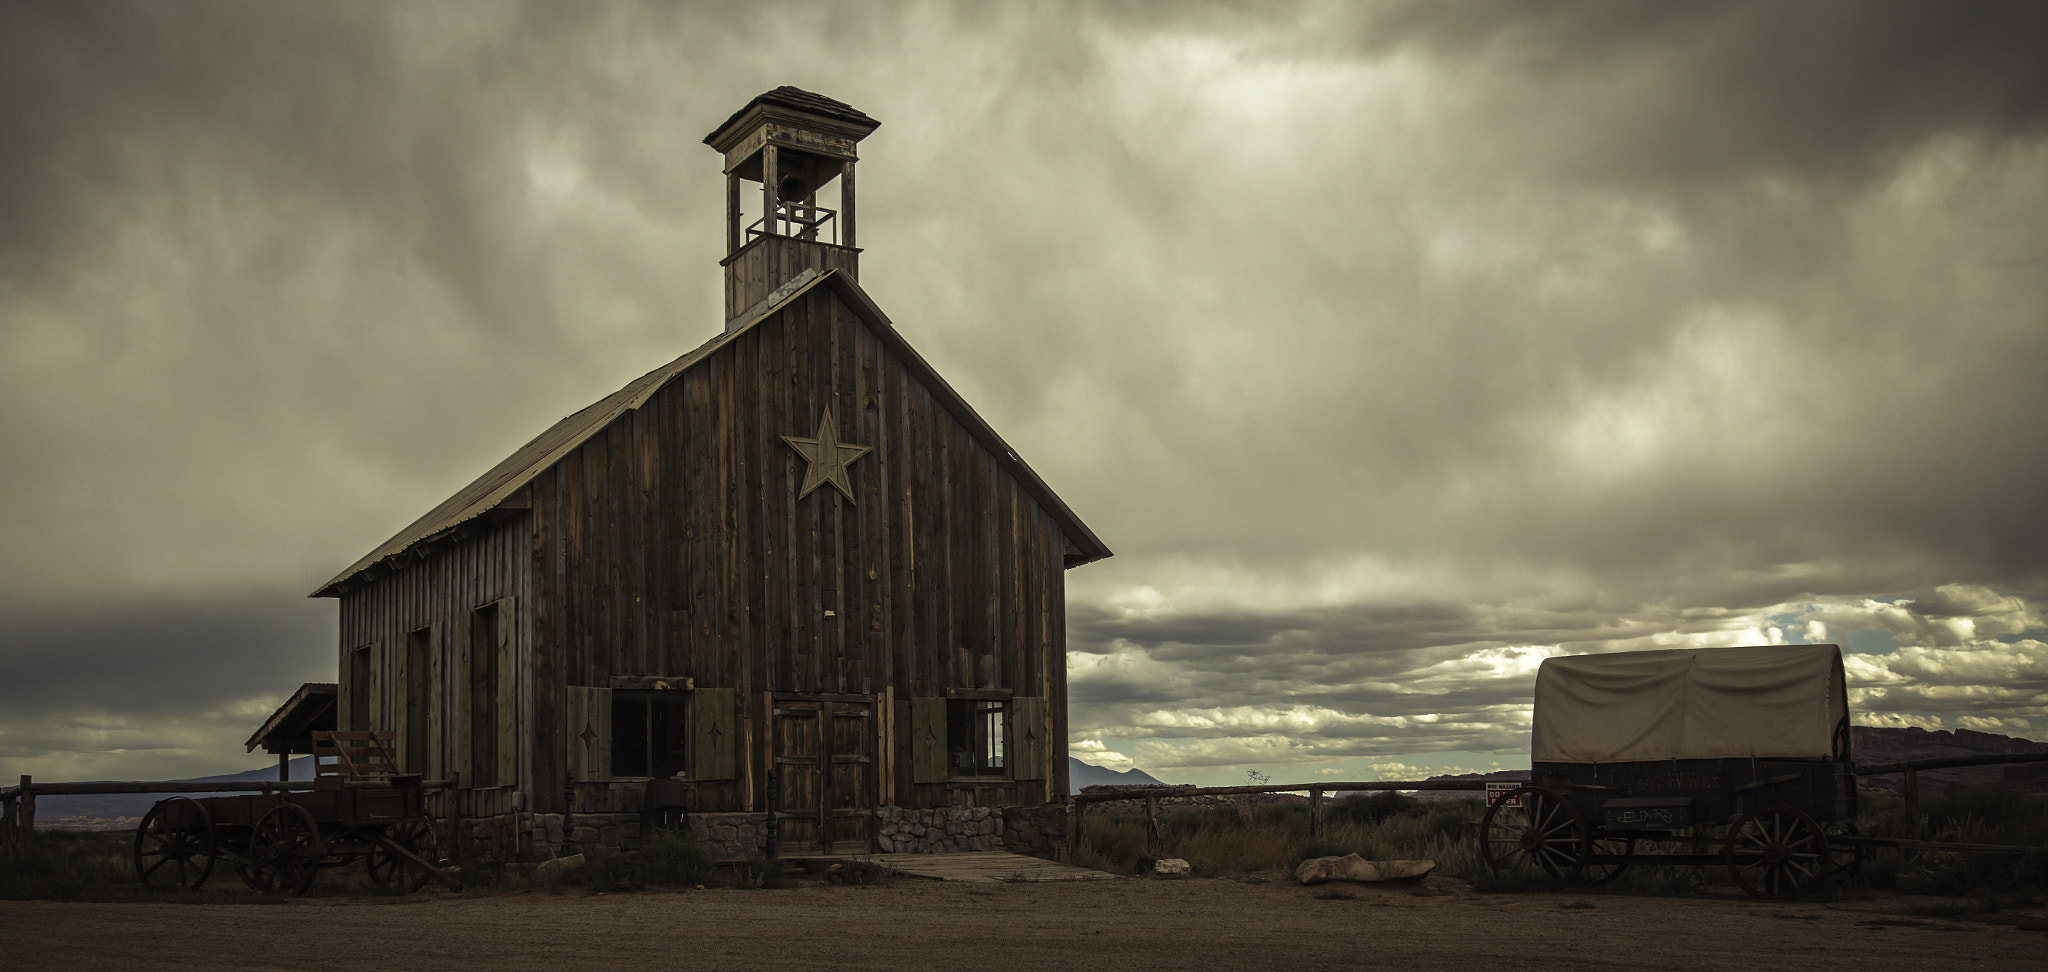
(1352, 867)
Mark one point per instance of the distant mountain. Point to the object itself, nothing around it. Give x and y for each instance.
(1080, 774)
(1873, 744)
(120, 811)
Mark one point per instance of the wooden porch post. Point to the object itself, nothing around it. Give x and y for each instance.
(27, 815)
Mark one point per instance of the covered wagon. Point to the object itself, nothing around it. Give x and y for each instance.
(1730, 756)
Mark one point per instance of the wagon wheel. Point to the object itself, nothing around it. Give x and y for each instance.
(1544, 832)
(394, 873)
(174, 845)
(1846, 858)
(285, 851)
(1613, 846)
(1777, 851)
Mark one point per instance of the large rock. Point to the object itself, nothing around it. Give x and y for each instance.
(1352, 867)
(560, 867)
(1172, 867)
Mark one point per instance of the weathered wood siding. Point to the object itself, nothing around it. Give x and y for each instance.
(673, 543)
(768, 262)
(442, 590)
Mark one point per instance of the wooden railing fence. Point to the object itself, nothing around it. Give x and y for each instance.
(1153, 794)
(18, 803)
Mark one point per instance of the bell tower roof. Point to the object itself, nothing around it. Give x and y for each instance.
(792, 99)
(802, 149)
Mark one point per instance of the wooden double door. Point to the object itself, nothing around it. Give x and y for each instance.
(824, 757)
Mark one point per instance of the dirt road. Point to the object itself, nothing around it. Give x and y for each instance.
(916, 924)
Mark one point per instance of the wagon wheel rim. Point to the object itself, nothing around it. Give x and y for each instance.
(175, 856)
(1844, 858)
(391, 872)
(1602, 873)
(1776, 852)
(1544, 833)
(285, 850)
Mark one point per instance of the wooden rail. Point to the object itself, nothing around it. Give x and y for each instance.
(1910, 790)
(1315, 791)
(1152, 794)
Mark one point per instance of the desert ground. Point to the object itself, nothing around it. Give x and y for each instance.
(913, 923)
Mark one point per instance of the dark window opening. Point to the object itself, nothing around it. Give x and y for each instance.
(362, 688)
(650, 734)
(974, 737)
(419, 694)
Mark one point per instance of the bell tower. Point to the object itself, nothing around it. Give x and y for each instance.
(794, 144)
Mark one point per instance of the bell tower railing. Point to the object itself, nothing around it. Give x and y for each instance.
(799, 221)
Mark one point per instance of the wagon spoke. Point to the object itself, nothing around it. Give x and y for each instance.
(394, 873)
(285, 850)
(1530, 828)
(179, 832)
(1777, 850)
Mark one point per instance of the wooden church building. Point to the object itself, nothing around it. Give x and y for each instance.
(793, 560)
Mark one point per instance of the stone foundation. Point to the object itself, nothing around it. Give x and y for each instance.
(731, 835)
(900, 830)
(1038, 831)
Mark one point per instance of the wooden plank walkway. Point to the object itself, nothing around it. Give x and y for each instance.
(990, 866)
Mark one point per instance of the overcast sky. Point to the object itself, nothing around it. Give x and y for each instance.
(1393, 347)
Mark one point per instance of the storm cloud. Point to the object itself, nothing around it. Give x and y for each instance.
(1393, 347)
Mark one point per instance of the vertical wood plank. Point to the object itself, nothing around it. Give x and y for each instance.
(507, 672)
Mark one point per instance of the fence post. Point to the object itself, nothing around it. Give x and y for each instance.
(1151, 823)
(27, 815)
(1074, 821)
(1912, 794)
(1315, 813)
(8, 826)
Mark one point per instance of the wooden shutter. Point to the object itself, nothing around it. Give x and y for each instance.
(436, 729)
(589, 735)
(506, 716)
(928, 740)
(463, 667)
(419, 687)
(714, 741)
(358, 688)
(1028, 748)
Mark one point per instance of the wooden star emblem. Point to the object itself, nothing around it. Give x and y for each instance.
(828, 458)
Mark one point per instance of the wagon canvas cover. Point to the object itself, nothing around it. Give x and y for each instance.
(1706, 703)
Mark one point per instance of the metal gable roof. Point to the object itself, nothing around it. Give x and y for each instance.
(498, 484)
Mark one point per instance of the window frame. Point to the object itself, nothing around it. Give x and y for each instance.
(975, 749)
(676, 702)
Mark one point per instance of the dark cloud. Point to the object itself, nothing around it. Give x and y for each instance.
(159, 660)
(1692, 92)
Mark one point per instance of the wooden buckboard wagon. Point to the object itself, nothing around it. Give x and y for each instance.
(1736, 757)
(359, 809)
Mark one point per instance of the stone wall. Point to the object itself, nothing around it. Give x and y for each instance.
(537, 836)
(731, 835)
(1038, 831)
(900, 830)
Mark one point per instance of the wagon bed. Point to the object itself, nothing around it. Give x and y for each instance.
(360, 808)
